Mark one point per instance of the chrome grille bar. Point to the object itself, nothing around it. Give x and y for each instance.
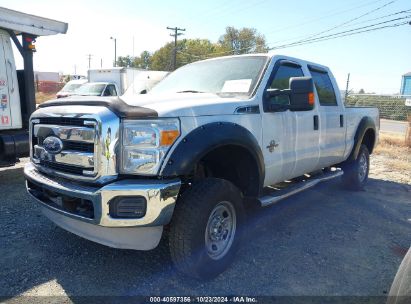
(67, 157)
(69, 133)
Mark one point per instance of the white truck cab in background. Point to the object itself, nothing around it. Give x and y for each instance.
(123, 78)
(70, 87)
(17, 87)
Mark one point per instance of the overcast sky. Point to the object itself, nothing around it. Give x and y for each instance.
(376, 60)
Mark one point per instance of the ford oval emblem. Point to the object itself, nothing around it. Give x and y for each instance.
(52, 144)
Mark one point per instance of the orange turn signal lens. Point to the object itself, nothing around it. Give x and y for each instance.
(168, 137)
(311, 99)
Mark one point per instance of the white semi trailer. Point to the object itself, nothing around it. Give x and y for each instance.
(17, 86)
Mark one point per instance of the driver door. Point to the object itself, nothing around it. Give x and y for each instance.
(290, 141)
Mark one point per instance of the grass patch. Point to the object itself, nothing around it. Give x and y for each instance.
(42, 97)
(394, 148)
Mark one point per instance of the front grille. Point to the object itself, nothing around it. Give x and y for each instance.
(71, 145)
(64, 168)
(63, 121)
(77, 156)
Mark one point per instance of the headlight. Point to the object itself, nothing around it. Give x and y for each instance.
(145, 144)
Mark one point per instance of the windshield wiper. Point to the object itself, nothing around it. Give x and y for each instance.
(190, 91)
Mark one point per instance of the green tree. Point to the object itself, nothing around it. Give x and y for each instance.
(197, 49)
(188, 50)
(242, 41)
(162, 58)
(143, 61)
(124, 61)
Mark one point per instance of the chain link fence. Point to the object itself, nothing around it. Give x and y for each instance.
(390, 106)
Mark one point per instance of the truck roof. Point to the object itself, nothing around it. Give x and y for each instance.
(30, 24)
(272, 55)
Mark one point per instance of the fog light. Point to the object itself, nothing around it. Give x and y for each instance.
(128, 207)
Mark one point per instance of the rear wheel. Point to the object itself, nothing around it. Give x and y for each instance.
(205, 229)
(356, 172)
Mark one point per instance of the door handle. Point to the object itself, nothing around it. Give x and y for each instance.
(341, 120)
(316, 122)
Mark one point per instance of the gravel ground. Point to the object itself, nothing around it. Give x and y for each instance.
(325, 241)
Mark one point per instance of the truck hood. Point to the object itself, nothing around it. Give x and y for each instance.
(161, 105)
(186, 104)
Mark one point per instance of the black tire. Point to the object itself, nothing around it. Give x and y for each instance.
(355, 175)
(197, 206)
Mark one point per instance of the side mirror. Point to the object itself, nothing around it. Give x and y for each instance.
(279, 100)
(299, 97)
(302, 93)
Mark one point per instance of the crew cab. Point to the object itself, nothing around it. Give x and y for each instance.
(191, 155)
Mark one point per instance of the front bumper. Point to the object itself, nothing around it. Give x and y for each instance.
(160, 196)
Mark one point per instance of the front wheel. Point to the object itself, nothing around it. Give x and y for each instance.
(356, 172)
(205, 229)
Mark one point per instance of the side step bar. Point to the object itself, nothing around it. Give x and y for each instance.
(294, 188)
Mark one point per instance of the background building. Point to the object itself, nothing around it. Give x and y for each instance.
(406, 84)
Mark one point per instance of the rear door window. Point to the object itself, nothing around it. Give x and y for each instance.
(324, 87)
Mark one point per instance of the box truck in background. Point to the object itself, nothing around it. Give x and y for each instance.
(17, 92)
(123, 78)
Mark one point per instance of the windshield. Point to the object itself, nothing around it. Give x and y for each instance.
(235, 75)
(90, 89)
(71, 87)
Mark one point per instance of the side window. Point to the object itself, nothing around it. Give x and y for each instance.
(282, 76)
(281, 81)
(112, 89)
(325, 89)
(106, 91)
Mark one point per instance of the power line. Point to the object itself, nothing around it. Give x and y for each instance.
(175, 35)
(348, 25)
(344, 35)
(380, 17)
(325, 16)
(340, 34)
(339, 25)
(351, 20)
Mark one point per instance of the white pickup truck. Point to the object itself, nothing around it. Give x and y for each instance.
(209, 140)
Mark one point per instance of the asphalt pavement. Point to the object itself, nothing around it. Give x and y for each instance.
(324, 242)
(393, 126)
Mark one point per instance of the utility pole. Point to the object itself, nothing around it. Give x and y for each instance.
(115, 50)
(175, 35)
(89, 60)
(346, 88)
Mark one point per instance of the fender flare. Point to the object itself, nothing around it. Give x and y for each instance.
(365, 124)
(204, 139)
